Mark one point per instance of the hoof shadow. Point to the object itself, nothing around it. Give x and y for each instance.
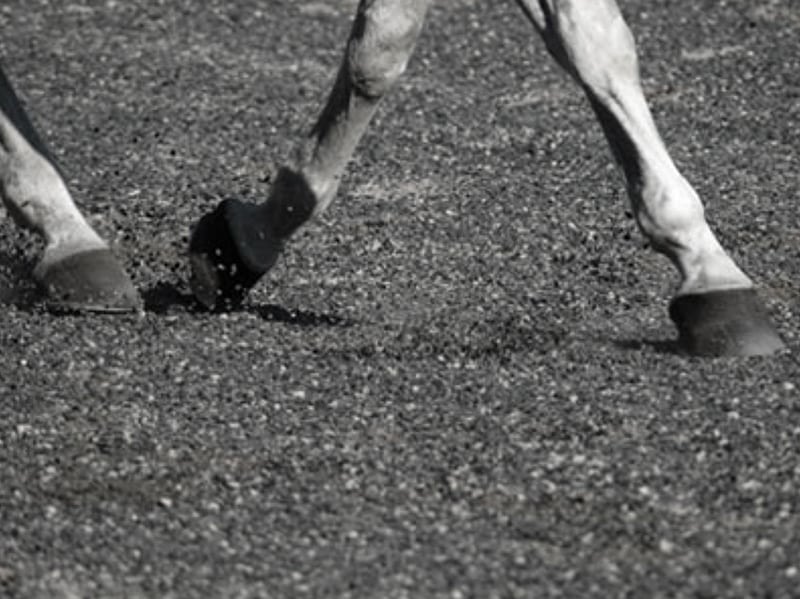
(163, 297)
(301, 318)
(160, 298)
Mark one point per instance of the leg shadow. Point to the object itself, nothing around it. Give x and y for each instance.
(301, 318)
(162, 297)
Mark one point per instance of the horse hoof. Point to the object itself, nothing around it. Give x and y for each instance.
(229, 251)
(87, 281)
(730, 322)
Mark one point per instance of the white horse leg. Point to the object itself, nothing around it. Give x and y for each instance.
(77, 271)
(232, 247)
(715, 309)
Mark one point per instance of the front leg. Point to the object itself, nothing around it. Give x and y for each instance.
(235, 245)
(715, 309)
(77, 271)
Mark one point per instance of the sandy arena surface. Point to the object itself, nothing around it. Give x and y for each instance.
(462, 380)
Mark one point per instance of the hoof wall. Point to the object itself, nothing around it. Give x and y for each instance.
(731, 322)
(230, 250)
(90, 281)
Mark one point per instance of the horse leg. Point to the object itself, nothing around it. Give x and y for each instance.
(232, 247)
(77, 270)
(715, 309)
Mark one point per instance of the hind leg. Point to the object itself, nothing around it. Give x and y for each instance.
(232, 247)
(77, 270)
(715, 309)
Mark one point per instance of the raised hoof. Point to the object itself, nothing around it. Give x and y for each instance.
(730, 322)
(88, 281)
(230, 250)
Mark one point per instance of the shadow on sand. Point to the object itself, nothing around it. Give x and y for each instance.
(163, 297)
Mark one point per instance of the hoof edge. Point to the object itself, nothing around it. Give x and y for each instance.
(88, 281)
(729, 322)
(230, 250)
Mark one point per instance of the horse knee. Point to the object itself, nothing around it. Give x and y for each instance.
(381, 42)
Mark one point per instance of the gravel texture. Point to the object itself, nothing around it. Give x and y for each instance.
(461, 382)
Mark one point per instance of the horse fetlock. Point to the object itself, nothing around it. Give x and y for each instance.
(27, 182)
(670, 214)
(293, 200)
(673, 220)
(38, 199)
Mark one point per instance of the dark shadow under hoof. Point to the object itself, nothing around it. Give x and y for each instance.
(230, 249)
(160, 298)
(91, 281)
(300, 318)
(730, 322)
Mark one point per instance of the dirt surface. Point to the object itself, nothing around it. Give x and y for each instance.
(462, 381)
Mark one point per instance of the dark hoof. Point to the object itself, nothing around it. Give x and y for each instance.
(230, 249)
(90, 281)
(731, 322)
